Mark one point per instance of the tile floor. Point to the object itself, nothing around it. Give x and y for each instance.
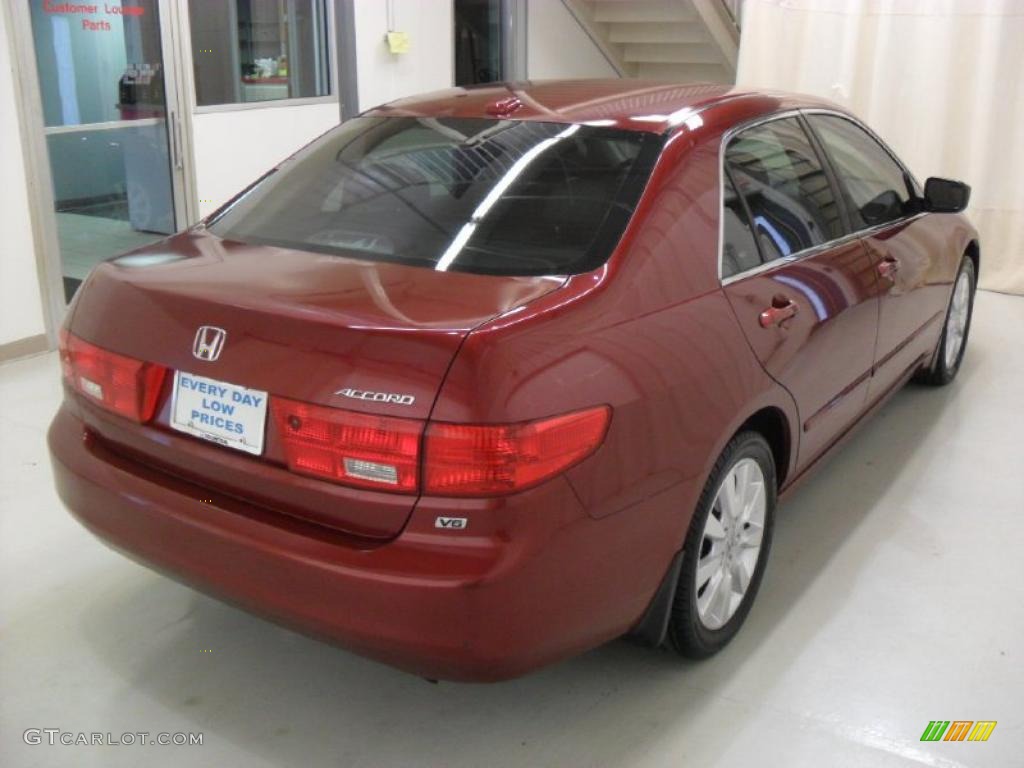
(895, 596)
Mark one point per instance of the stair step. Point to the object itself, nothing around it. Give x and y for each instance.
(683, 73)
(668, 53)
(672, 32)
(611, 11)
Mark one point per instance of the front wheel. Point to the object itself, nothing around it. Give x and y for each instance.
(953, 342)
(726, 548)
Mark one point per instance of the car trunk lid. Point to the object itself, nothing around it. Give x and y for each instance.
(299, 325)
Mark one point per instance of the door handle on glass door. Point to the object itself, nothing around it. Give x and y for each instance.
(888, 267)
(179, 162)
(780, 310)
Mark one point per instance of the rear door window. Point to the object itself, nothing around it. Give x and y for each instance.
(472, 195)
(791, 201)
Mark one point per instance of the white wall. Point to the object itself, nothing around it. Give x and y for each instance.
(429, 64)
(21, 306)
(556, 46)
(234, 148)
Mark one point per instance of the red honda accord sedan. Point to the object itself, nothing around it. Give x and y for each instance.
(485, 378)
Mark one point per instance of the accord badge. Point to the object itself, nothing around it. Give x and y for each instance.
(377, 397)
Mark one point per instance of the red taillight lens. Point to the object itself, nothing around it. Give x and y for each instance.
(124, 385)
(485, 460)
(383, 452)
(348, 447)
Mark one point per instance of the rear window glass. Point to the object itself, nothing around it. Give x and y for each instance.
(471, 195)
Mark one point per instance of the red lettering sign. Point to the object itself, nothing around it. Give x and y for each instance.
(84, 9)
(124, 10)
(51, 7)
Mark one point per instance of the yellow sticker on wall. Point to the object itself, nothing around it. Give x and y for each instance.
(398, 42)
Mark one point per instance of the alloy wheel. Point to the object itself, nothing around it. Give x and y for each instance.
(956, 323)
(731, 543)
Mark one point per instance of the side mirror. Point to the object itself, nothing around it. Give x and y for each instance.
(945, 195)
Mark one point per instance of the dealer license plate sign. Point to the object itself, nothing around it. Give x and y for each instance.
(222, 413)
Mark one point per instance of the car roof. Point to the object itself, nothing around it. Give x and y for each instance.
(643, 105)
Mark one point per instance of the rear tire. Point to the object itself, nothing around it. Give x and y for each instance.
(736, 509)
(953, 342)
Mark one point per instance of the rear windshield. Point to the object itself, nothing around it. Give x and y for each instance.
(488, 196)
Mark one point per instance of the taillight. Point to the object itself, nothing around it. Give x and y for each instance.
(347, 447)
(488, 460)
(383, 452)
(124, 385)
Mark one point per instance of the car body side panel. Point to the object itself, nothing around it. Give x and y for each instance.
(823, 355)
(928, 250)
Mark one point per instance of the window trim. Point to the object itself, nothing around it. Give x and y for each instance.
(241, 106)
(850, 236)
(267, 104)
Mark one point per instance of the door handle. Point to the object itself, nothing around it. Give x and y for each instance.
(888, 267)
(781, 309)
(178, 161)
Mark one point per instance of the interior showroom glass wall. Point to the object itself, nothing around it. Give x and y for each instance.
(954, 65)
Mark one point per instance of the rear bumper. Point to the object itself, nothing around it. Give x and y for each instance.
(531, 580)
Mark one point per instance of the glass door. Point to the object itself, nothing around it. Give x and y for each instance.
(110, 122)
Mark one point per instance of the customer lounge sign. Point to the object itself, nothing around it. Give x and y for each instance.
(91, 10)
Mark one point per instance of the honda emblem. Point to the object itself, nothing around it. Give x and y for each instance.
(209, 342)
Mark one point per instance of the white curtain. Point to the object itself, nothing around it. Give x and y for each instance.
(942, 81)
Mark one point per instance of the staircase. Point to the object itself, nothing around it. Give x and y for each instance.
(682, 40)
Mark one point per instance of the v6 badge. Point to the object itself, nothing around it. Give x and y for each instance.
(451, 523)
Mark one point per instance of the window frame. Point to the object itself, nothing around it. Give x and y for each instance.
(823, 157)
(334, 73)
